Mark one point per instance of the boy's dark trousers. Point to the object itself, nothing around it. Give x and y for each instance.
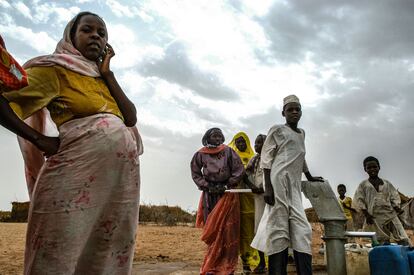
(278, 263)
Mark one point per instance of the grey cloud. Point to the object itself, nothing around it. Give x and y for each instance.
(177, 68)
(333, 30)
(261, 123)
(384, 29)
(206, 113)
(383, 85)
(295, 31)
(203, 112)
(368, 109)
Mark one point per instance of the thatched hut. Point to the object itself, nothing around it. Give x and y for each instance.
(20, 211)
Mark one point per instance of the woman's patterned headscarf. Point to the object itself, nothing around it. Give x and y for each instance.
(66, 55)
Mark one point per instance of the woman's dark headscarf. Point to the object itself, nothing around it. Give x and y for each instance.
(207, 135)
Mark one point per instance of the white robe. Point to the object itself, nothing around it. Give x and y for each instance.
(380, 204)
(284, 224)
(256, 177)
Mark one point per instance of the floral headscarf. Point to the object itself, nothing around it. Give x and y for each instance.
(67, 56)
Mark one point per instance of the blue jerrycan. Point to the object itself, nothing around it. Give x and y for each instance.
(411, 260)
(389, 260)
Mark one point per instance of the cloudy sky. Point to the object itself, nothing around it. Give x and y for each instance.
(191, 65)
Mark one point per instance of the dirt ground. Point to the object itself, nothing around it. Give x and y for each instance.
(159, 249)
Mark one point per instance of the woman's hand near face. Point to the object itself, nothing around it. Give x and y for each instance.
(104, 65)
(126, 107)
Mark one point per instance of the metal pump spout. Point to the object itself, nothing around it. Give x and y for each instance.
(331, 214)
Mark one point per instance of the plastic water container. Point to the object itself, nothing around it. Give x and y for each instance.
(411, 260)
(389, 260)
(357, 259)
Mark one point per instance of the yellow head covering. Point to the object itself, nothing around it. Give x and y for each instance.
(246, 155)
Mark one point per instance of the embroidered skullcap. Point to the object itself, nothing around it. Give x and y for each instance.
(290, 99)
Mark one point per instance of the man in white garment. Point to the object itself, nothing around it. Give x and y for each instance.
(379, 201)
(284, 222)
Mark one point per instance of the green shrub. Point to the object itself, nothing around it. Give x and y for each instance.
(165, 215)
(5, 216)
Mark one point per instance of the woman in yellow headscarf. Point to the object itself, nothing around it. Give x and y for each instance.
(241, 144)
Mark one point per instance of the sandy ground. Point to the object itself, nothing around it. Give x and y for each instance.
(159, 249)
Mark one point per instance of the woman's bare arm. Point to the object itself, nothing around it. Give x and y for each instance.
(8, 119)
(126, 107)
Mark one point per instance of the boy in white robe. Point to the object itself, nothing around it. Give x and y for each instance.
(379, 201)
(284, 223)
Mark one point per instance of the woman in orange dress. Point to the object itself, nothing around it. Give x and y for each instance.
(215, 168)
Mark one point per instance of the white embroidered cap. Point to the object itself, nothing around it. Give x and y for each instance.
(290, 99)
